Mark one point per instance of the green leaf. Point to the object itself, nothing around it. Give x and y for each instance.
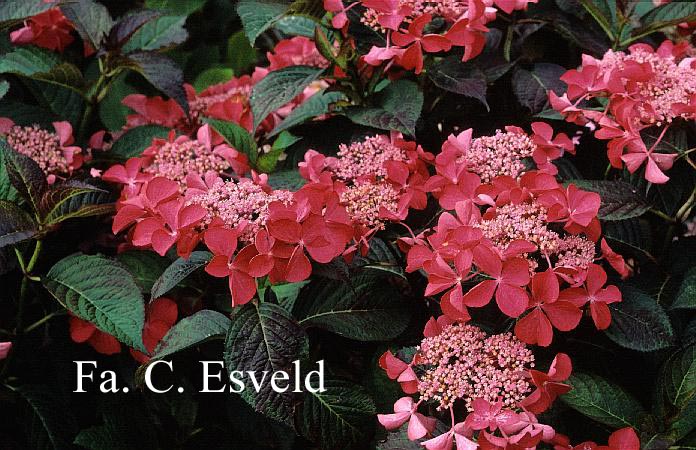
(452, 75)
(162, 32)
(25, 175)
(267, 161)
(381, 257)
(240, 55)
(278, 88)
(16, 225)
(338, 418)
(73, 199)
(531, 87)
(317, 105)
(236, 136)
(100, 291)
(191, 331)
(134, 141)
(603, 401)
(7, 191)
(287, 293)
(214, 75)
(4, 88)
(604, 12)
(50, 422)
(259, 15)
(367, 308)
(399, 108)
(91, 20)
(667, 15)
(620, 200)
(180, 7)
(11, 10)
(263, 337)
(65, 102)
(128, 24)
(678, 378)
(686, 297)
(639, 322)
(57, 86)
(24, 114)
(296, 26)
(286, 179)
(111, 111)
(178, 271)
(161, 72)
(145, 267)
(398, 440)
(28, 61)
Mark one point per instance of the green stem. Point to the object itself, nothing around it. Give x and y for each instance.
(662, 215)
(43, 320)
(26, 271)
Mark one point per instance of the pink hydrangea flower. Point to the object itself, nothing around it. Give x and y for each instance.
(52, 151)
(49, 29)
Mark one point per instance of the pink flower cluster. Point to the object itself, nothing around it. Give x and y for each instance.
(517, 238)
(404, 21)
(229, 101)
(377, 180)
(51, 150)
(491, 377)
(644, 89)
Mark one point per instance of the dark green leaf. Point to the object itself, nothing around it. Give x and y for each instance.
(214, 75)
(620, 200)
(451, 74)
(258, 15)
(181, 7)
(111, 111)
(145, 267)
(639, 322)
(236, 136)
(338, 418)
(162, 73)
(178, 271)
(100, 291)
(367, 308)
(381, 257)
(278, 88)
(296, 26)
(679, 378)
(91, 20)
(134, 141)
(27, 61)
(11, 10)
(129, 24)
(16, 225)
(162, 32)
(4, 88)
(25, 175)
(317, 105)
(603, 401)
(667, 15)
(686, 297)
(191, 331)
(287, 293)
(240, 55)
(400, 107)
(7, 191)
(263, 337)
(286, 179)
(73, 199)
(50, 423)
(531, 87)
